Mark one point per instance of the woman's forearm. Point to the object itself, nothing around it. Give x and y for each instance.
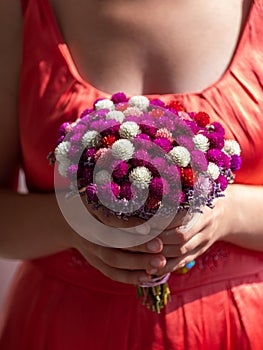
(246, 211)
(31, 226)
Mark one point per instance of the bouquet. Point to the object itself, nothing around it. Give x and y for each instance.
(136, 157)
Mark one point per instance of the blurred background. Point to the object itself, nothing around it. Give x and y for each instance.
(8, 267)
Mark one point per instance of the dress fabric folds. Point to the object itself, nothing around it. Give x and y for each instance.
(60, 302)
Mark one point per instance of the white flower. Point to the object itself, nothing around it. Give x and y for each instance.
(102, 177)
(128, 130)
(141, 177)
(63, 168)
(122, 149)
(104, 104)
(91, 139)
(61, 151)
(180, 156)
(232, 147)
(134, 111)
(213, 170)
(115, 115)
(140, 102)
(201, 142)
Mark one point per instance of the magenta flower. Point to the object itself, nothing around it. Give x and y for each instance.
(120, 169)
(226, 161)
(159, 187)
(159, 164)
(76, 138)
(198, 161)
(119, 97)
(157, 102)
(126, 191)
(164, 143)
(222, 181)
(216, 156)
(90, 153)
(172, 173)
(86, 112)
(109, 191)
(148, 129)
(216, 140)
(235, 163)
(72, 172)
(217, 127)
(185, 141)
(91, 193)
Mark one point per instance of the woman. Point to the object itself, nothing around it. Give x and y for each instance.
(73, 53)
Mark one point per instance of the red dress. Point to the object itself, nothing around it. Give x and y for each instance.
(60, 301)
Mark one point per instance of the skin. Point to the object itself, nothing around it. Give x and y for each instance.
(184, 57)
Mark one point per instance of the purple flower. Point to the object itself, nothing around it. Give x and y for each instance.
(86, 112)
(159, 187)
(222, 181)
(193, 126)
(72, 171)
(172, 173)
(132, 118)
(199, 161)
(126, 191)
(165, 122)
(159, 164)
(80, 128)
(91, 193)
(109, 191)
(216, 156)
(216, 140)
(186, 142)
(90, 153)
(119, 97)
(120, 169)
(217, 127)
(64, 128)
(157, 102)
(226, 161)
(164, 143)
(142, 141)
(61, 138)
(236, 162)
(76, 138)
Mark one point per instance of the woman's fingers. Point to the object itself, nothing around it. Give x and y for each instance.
(153, 246)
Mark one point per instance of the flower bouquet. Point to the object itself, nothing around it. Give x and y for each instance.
(136, 157)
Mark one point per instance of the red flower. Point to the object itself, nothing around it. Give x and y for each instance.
(108, 141)
(187, 177)
(157, 113)
(176, 106)
(202, 119)
(152, 203)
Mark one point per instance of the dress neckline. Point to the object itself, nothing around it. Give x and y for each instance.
(65, 51)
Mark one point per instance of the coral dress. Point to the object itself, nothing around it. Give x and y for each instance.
(60, 302)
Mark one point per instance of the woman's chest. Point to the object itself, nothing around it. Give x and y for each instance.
(151, 46)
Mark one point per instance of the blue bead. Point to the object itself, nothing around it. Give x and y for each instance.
(190, 264)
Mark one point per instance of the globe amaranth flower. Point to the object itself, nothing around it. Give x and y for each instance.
(104, 104)
(172, 173)
(222, 181)
(76, 138)
(61, 151)
(202, 119)
(157, 102)
(235, 163)
(185, 141)
(175, 106)
(201, 142)
(64, 128)
(198, 161)
(132, 112)
(164, 133)
(91, 139)
(180, 156)
(164, 143)
(158, 166)
(128, 130)
(232, 147)
(60, 139)
(187, 177)
(213, 170)
(126, 191)
(108, 192)
(159, 187)
(152, 202)
(72, 172)
(108, 141)
(140, 177)
(102, 177)
(140, 158)
(216, 140)
(119, 97)
(193, 126)
(122, 149)
(119, 169)
(216, 156)
(102, 152)
(122, 106)
(140, 102)
(115, 115)
(216, 127)
(142, 141)
(63, 168)
(91, 193)
(90, 153)
(86, 112)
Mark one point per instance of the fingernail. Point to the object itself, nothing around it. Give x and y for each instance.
(153, 271)
(153, 246)
(144, 278)
(156, 262)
